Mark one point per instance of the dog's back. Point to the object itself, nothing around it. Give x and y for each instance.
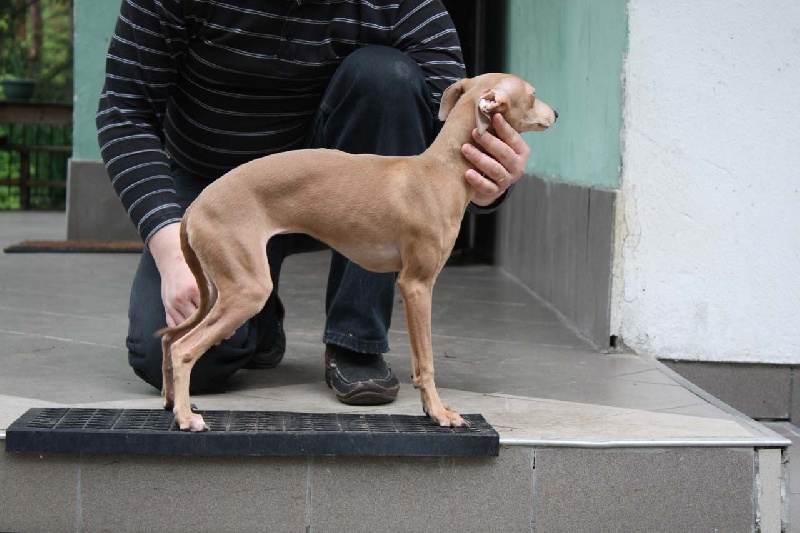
(361, 205)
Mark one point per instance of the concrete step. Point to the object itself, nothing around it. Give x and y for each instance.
(526, 488)
(590, 441)
(562, 467)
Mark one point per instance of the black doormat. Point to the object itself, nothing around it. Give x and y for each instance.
(246, 433)
(76, 247)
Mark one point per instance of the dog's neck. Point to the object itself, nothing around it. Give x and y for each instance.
(446, 148)
(457, 131)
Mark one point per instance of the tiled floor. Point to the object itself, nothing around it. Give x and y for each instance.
(499, 351)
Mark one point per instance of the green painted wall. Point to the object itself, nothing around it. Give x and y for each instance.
(572, 51)
(94, 25)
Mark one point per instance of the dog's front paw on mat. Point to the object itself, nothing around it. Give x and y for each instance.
(193, 422)
(447, 418)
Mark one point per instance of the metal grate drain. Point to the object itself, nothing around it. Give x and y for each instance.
(152, 432)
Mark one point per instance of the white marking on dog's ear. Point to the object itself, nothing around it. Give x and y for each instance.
(490, 103)
(484, 109)
(483, 117)
(493, 101)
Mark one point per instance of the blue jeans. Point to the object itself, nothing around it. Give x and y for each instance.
(378, 103)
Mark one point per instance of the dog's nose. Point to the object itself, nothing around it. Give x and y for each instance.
(555, 113)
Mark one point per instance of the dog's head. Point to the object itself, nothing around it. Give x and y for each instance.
(507, 94)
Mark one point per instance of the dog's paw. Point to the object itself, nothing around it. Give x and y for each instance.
(447, 418)
(193, 423)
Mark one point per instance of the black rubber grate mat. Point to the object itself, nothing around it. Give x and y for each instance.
(268, 433)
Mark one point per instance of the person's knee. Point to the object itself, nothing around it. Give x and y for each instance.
(380, 74)
(376, 87)
(146, 361)
(208, 375)
(210, 371)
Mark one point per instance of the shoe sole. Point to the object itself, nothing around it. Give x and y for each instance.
(365, 394)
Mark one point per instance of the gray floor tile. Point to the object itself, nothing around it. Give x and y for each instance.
(193, 494)
(71, 373)
(701, 409)
(698, 490)
(465, 494)
(38, 493)
(760, 391)
(614, 392)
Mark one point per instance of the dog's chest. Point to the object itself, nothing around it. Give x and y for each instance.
(376, 258)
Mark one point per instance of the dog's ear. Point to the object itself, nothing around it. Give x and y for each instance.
(493, 101)
(451, 96)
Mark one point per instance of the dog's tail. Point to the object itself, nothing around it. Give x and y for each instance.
(193, 262)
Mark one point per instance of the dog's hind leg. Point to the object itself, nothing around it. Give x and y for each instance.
(168, 384)
(243, 286)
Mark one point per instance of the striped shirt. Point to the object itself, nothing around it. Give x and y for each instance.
(212, 84)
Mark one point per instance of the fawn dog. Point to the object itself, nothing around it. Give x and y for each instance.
(386, 214)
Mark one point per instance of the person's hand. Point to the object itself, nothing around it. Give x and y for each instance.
(502, 164)
(179, 291)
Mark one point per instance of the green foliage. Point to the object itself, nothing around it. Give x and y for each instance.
(55, 75)
(45, 166)
(36, 43)
(15, 39)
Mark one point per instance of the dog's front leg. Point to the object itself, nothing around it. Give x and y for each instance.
(417, 298)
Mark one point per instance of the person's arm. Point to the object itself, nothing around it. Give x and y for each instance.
(425, 31)
(141, 67)
(179, 291)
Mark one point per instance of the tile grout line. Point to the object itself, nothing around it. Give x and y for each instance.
(587, 342)
(499, 341)
(53, 338)
(743, 419)
(78, 499)
(52, 313)
(308, 494)
(533, 491)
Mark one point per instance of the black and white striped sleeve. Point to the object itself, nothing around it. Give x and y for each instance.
(425, 31)
(141, 66)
